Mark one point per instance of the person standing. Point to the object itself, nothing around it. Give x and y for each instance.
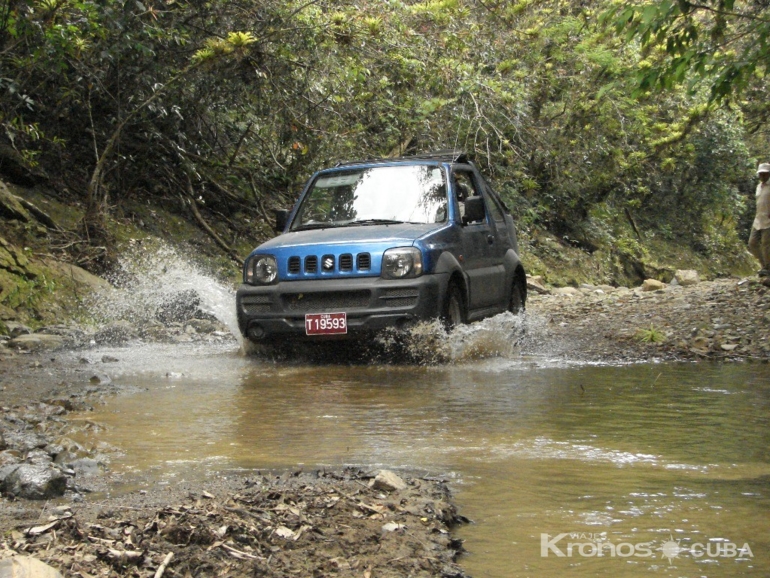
(759, 240)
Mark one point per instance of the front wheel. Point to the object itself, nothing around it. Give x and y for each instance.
(453, 313)
(516, 304)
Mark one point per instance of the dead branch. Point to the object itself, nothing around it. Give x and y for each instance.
(190, 202)
(162, 567)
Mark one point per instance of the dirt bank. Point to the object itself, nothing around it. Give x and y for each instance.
(726, 319)
(303, 524)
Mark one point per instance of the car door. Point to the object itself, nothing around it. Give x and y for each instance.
(482, 248)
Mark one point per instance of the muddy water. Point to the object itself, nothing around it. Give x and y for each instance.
(663, 468)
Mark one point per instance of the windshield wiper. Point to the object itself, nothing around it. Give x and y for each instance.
(309, 226)
(374, 222)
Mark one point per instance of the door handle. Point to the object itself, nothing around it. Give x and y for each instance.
(491, 239)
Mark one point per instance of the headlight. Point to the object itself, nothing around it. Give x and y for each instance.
(261, 270)
(402, 262)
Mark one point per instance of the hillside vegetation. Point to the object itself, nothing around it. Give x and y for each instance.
(128, 118)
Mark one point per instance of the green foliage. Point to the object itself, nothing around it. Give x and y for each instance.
(651, 335)
(719, 42)
(236, 104)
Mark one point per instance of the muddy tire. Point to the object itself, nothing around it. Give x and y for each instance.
(453, 312)
(516, 304)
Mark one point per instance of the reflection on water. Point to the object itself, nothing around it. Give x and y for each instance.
(652, 459)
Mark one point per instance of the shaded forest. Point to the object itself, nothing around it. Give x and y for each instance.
(604, 125)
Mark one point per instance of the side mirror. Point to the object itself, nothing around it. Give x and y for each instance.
(281, 218)
(474, 209)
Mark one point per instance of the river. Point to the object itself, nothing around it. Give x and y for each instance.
(646, 468)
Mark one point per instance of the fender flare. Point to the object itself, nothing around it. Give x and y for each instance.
(448, 266)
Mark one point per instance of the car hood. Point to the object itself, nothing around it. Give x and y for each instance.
(393, 235)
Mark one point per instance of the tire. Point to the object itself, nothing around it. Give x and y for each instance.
(453, 312)
(516, 304)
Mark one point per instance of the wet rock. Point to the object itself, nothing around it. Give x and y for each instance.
(26, 567)
(84, 467)
(388, 481)
(653, 285)
(37, 342)
(154, 330)
(73, 336)
(9, 458)
(204, 325)
(116, 333)
(15, 329)
(33, 482)
(24, 441)
(109, 359)
(38, 457)
(179, 306)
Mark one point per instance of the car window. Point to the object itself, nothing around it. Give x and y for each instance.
(494, 209)
(404, 194)
(464, 187)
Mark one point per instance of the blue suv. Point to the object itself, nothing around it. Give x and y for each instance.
(383, 244)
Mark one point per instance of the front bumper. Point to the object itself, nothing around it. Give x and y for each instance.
(371, 304)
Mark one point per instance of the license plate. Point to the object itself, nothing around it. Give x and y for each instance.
(326, 323)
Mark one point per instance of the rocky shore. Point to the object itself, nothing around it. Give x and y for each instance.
(725, 319)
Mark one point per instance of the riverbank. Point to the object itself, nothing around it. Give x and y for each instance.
(725, 320)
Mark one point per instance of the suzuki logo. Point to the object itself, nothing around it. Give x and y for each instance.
(328, 263)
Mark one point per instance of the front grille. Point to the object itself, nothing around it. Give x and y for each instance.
(364, 261)
(344, 262)
(326, 302)
(252, 304)
(406, 297)
(311, 264)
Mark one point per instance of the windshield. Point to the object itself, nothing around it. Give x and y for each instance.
(371, 196)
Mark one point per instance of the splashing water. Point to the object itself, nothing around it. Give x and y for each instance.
(159, 283)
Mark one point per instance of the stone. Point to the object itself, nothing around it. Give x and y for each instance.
(109, 359)
(535, 283)
(24, 441)
(15, 329)
(568, 291)
(85, 467)
(26, 567)
(37, 342)
(653, 285)
(388, 481)
(116, 333)
(179, 306)
(78, 275)
(38, 457)
(686, 277)
(203, 325)
(34, 482)
(9, 458)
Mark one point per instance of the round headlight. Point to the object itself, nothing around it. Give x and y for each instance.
(402, 262)
(262, 269)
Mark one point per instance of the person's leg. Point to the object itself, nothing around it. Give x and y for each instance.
(764, 249)
(754, 239)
